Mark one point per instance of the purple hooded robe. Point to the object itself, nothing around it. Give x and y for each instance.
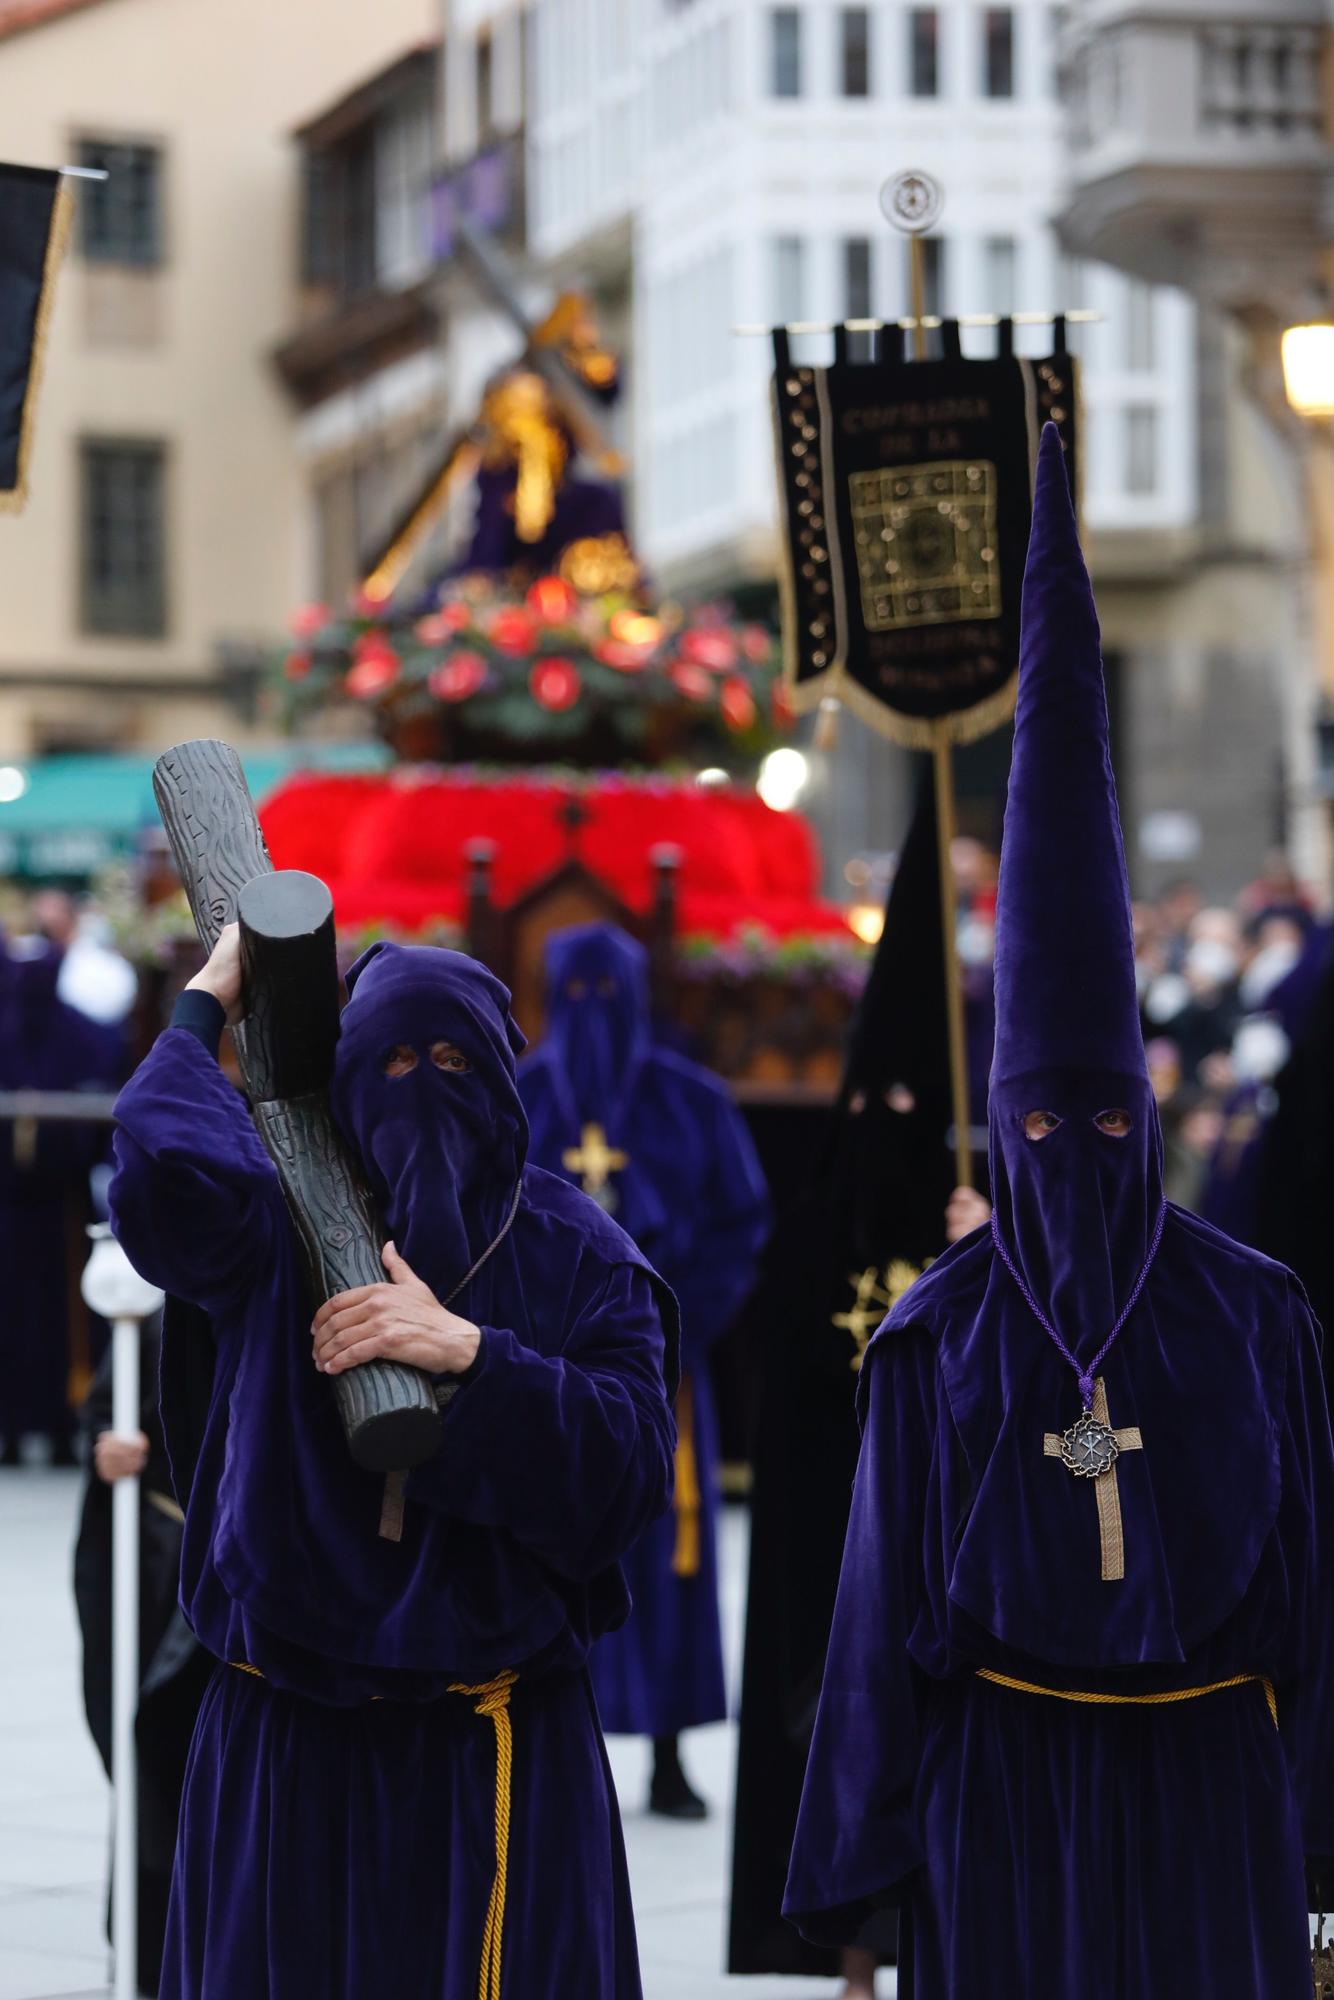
(1039, 1842)
(340, 1829)
(691, 1194)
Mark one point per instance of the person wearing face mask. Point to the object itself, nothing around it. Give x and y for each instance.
(1078, 1722)
(658, 1141)
(397, 1782)
(879, 1206)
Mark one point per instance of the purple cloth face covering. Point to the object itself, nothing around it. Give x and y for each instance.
(444, 1148)
(1077, 1210)
(597, 1033)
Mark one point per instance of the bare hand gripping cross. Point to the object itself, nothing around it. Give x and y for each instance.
(285, 1046)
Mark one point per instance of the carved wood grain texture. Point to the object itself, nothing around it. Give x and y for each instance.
(336, 1224)
(213, 828)
(218, 845)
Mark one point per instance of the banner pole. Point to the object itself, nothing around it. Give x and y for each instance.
(946, 828)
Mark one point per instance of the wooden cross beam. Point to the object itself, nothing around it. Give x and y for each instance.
(1090, 1449)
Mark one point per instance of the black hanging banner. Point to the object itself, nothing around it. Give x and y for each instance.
(907, 491)
(35, 209)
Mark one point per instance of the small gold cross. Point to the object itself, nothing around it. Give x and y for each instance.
(594, 1160)
(873, 1295)
(1104, 1485)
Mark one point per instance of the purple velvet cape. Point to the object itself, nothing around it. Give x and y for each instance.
(331, 1843)
(693, 1199)
(1038, 1846)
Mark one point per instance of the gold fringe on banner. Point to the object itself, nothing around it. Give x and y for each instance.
(12, 498)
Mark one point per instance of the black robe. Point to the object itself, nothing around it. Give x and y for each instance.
(872, 1215)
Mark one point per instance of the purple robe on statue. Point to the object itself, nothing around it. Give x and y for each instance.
(340, 1822)
(1076, 1783)
(691, 1195)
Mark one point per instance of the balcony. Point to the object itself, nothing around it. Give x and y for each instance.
(1197, 142)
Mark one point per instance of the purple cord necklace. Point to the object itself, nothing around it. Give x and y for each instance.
(1085, 1375)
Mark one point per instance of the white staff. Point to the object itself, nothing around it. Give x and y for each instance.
(113, 1288)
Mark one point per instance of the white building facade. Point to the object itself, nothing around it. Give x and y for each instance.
(705, 164)
(738, 148)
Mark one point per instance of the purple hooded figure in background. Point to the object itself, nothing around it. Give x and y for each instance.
(397, 1776)
(660, 1142)
(1077, 1721)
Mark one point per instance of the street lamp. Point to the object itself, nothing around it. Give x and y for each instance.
(1308, 368)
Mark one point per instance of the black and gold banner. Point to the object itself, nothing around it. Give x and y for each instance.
(35, 209)
(907, 491)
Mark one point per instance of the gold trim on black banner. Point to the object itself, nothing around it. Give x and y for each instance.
(12, 498)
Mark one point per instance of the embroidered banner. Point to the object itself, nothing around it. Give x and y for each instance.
(906, 493)
(34, 221)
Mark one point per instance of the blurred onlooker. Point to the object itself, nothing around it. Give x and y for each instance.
(1276, 891)
(45, 1045)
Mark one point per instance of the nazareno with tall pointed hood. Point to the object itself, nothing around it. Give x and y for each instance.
(1077, 1719)
(397, 1782)
(870, 1218)
(665, 1148)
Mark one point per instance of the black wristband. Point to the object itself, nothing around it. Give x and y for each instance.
(201, 1015)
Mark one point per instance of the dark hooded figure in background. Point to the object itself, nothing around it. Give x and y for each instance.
(397, 1782)
(44, 1201)
(658, 1141)
(879, 1207)
(1077, 1720)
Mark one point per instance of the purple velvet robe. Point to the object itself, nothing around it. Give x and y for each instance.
(338, 1832)
(1039, 1847)
(692, 1197)
(1079, 1849)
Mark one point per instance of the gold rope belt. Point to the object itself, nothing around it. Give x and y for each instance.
(1146, 1700)
(491, 1699)
(686, 1499)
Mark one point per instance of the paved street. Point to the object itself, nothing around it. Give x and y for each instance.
(54, 1801)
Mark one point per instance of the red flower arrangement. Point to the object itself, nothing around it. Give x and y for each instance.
(457, 677)
(555, 685)
(543, 667)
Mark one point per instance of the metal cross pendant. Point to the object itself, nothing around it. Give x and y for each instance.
(1090, 1449)
(595, 1162)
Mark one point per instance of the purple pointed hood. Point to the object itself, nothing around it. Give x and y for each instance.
(1076, 1207)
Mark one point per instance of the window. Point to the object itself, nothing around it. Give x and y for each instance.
(998, 52)
(855, 31)
(123, 552)
(120, 218)
(785, 51)
(1141, 450)
(789, 279)
(857, 278)
(1002, 258)
(1139, 328)
(924, 52)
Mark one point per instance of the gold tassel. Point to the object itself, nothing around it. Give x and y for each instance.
(686, 1501)
(62, 215)
(492, 1700)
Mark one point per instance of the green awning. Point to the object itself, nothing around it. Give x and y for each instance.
(71, 815)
